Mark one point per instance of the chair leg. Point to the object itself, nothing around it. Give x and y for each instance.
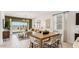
(60, 44)
(31, 45)
(49, 46)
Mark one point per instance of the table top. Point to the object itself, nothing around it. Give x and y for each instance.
(43, 36)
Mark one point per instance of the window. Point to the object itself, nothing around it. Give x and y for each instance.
(59, 22)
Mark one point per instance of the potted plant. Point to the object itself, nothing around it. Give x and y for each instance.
(7, 24)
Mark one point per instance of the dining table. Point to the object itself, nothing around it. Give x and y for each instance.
(41, 36)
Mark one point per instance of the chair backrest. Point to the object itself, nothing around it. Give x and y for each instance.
(55, 38)
(33, 40)
(59, 37)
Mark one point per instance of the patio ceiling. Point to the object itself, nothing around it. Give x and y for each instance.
(30, 14)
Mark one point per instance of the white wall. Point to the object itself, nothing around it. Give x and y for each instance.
(43, 22)
(1, 27)
(70, 27)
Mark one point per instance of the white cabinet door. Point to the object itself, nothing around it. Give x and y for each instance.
(58, 25)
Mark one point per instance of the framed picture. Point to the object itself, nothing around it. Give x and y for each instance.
(48, 23)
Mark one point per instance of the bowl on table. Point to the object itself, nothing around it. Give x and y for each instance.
(45, 32)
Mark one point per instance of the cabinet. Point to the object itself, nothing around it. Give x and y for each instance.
(6, 34)
(76, 35)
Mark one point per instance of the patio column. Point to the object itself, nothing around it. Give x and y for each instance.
(1, 27)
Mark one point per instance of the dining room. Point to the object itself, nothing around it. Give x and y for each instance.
(33, 29)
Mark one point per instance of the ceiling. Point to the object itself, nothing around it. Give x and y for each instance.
(30, 14)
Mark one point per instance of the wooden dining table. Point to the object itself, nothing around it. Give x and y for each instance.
(42, 37)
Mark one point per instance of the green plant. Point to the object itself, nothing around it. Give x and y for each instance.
(7, 24)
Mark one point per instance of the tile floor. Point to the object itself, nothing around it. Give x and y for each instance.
(15, 43)
(26, 43)
(67, 45)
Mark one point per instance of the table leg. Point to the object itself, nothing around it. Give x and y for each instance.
(40, 43)
(32, 45)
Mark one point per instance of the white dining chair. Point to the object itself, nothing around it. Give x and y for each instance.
(53, 42)
(34, 43)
